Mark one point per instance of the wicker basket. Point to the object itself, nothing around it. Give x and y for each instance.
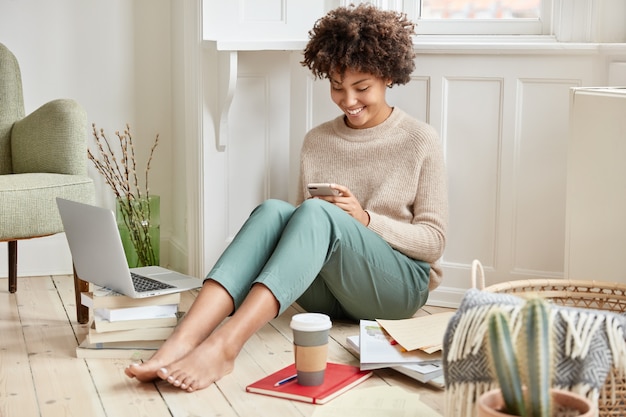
(600, 295)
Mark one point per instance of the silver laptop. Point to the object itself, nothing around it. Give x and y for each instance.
(99, 258)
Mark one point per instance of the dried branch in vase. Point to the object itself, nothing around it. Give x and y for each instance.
(120, 173)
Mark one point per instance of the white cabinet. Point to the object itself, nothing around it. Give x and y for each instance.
(260, 24)
(596, 188)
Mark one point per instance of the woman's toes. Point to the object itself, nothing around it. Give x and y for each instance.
(163, 374)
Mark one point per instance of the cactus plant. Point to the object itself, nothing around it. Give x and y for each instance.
(524, 369)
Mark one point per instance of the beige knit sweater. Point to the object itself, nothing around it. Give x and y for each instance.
(396, 170)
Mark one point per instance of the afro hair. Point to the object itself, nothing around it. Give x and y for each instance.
(364, 39)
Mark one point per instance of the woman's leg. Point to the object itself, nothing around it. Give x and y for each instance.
(329, 262)
(251, 248)
(208, 310)
(215, 356)
(239, 264)
(368, 282)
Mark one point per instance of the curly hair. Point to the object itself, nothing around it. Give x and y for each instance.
(362, 38)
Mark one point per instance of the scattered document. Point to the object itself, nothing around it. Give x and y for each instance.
(378, 350)
(423, 333)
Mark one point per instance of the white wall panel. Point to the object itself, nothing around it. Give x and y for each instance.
(596, 201)
(247, 150)
(472, 114)
(538, 233)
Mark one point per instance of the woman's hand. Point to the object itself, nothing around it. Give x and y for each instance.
(348, 203)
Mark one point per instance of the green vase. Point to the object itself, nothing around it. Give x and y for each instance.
(139, 223)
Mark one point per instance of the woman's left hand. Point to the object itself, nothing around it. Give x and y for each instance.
(348, 203)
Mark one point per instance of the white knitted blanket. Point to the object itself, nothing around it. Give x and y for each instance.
(587, 344)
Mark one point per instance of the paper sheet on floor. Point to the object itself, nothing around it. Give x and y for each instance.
(424, 332)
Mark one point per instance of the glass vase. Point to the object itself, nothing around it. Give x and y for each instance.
(139, 223)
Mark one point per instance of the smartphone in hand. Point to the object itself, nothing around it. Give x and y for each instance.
(322, 189)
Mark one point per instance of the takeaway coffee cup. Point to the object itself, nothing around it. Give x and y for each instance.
(310, 339)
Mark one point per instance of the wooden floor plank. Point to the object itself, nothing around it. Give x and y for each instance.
(63, 383)
(207, 402)
(17, 390)
(31, 293)
(122, 396)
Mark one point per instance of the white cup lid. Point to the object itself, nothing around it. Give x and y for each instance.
(310, 322)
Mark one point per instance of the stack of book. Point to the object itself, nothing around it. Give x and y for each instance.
(127, 328)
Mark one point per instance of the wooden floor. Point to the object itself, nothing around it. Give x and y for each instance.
(40, 375)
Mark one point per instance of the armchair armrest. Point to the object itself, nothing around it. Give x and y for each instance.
(52, 139)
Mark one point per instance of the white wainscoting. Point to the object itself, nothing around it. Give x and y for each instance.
(251, 163)
(503, 119)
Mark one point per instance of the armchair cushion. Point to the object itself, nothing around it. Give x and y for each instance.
(27, 202)
(51, 139)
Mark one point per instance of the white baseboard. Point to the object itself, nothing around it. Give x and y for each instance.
(446, 297)
(39, 257)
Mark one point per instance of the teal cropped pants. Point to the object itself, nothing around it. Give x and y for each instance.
(321, 257)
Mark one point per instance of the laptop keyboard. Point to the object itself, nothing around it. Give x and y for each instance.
(143, 284)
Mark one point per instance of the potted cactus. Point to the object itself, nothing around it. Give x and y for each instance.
(524, 369)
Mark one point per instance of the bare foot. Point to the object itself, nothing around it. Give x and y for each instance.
(171, 351)
(207, 363)
(212, 305)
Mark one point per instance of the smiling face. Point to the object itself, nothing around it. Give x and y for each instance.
(361, 97)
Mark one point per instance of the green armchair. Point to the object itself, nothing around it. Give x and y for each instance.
(42, 156)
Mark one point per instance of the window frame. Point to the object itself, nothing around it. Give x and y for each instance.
(522, 26)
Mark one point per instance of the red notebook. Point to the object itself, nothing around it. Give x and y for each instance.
(338, 379)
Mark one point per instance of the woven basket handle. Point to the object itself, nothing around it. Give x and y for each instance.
(478, 273)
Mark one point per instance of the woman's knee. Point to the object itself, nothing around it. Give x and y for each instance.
(273, 206)
(316, 207)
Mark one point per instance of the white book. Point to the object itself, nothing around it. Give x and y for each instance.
(140, 333)
(105, 298)
(136, 313)
(431, 372)
(137, 350)
(101, 325)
